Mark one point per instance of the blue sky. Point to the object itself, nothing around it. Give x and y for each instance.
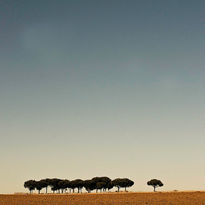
(91, 88)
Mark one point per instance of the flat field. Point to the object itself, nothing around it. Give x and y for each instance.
(139, 198)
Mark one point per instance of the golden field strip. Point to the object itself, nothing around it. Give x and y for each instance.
(134, 198)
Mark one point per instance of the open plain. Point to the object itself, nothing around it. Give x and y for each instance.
(132, 198)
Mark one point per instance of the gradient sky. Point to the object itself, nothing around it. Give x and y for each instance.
(94, 88)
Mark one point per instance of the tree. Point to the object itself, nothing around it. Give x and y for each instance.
(106, 181)
(96, 180)
(155, 183)
(67, 184)
(39, 186)
(30, 184)
(100, 186)
(126, 183)
(117, 183)
(45, 183)
(54, 183)
(73, 185)
(48, 182)
(77, 183)
(89, 185)
(122, 183)
(110, 186)
(63, 184)
(101, 183)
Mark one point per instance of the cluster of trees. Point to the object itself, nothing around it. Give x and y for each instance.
(62, 185)
(96, 183)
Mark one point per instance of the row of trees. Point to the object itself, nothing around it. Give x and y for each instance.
(62, 185)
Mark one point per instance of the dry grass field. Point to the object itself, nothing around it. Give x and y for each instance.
(159, 198)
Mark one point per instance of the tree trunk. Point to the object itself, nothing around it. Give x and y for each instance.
(125, 188)
(46, 190)
(118, 188)
(154, 188)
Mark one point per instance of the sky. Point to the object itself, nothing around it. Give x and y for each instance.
(102, 88)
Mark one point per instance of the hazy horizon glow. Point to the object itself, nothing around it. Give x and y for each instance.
(102, 88)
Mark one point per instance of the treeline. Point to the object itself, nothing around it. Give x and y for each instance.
(63, 185)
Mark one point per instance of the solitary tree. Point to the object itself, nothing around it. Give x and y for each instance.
(155, 183)
(30, 184)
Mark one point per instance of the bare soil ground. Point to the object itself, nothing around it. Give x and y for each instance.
(158, 198)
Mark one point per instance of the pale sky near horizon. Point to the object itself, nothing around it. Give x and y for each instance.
(102, 88)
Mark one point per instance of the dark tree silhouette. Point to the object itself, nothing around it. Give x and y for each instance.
(117, 183)
(100, 186)
(77, 183)
(89, 185)
(73, 185)
(122, 183)
(48, 182)
(54, 183)
(155, 183)
(67, 183)
(30, 184)
(101, 183)
(126, 183)
(63, 185)
(39, 186)
(44, 183)
(96, 180)
(106, 181)
(110, 186)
